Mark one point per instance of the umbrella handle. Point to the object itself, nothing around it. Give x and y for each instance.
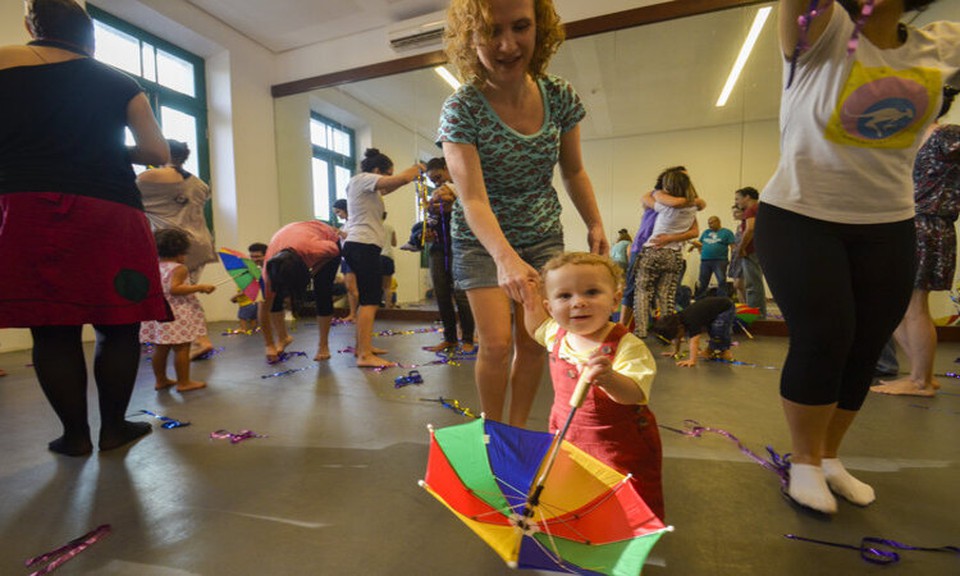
(580, 392)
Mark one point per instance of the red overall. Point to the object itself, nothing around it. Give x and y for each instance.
(624, 436)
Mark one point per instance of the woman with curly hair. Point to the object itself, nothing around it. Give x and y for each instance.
(502, 133)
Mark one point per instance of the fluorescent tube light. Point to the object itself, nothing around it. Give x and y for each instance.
(758, 23)
(447, 76)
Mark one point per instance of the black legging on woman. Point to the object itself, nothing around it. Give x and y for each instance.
(842, 289)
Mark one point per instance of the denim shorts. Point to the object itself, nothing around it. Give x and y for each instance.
(473, 267)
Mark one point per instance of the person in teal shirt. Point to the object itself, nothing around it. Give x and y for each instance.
(714, 246)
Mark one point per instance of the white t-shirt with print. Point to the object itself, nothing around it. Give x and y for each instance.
(850, 126)
(365, 207)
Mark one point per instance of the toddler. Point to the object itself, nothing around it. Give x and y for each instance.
(188, 322)
(571, 318)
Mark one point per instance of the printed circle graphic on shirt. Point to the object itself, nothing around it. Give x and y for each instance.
(880, 107)
(884, 108)
(131, 285)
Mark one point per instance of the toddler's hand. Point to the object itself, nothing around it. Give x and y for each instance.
(598, 369)
(690, 363)
(667, 354)
(206, 288)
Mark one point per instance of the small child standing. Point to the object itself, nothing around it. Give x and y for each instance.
(713, 316)
(248, 309)
(188, 322)
(571, 318)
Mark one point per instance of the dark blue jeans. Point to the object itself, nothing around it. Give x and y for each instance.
(717, 269)
(721, 330)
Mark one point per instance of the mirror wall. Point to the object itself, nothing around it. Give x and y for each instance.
(650, 94)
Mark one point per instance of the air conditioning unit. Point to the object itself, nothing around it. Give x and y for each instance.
(418, 32)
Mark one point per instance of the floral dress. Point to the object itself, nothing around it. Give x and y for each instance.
(188, 323)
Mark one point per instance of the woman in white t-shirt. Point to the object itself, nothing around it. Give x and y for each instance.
(365, 240)
(661, 259)
(835, 231)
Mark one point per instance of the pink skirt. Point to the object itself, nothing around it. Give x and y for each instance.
(69, 260)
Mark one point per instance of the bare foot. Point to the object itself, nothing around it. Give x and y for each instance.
(468, 347)
(322, 354)
(272, 355)
(904, 387)
(190, 385)
(350, 319)
(200, 351)
(373, 361)
(284, 343)
(443, 346)
(374, 350)
(163, 384)
(727, 355)
(2, 373)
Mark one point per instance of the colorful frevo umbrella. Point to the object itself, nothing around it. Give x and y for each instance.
(747, 314)
(243, 270)
(539, 501)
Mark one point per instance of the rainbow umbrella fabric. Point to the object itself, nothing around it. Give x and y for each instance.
(588, 520)
(747, 314)
(243, 270)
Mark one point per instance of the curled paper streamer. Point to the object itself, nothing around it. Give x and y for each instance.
(870, 550)
(452, 404)
(210, 353)
(284, 356)
(283, 373)
(66, 552)
(168, 423)
(778, 464)
(235, 438)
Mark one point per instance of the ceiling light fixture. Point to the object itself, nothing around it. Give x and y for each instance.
(758, 23)
(448, 77)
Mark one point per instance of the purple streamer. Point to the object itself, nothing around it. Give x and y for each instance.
(804, 22)
(168, 423)
(284, 356)
(870, 552)
(780, 465)
(68, 551)
(283, 373)
(210, 353)
(235, 438)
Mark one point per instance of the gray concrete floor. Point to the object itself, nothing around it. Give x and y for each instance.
(333, 488)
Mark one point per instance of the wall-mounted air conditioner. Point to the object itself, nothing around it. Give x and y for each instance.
(417, 32)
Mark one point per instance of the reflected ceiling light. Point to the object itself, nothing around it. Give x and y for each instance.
(758, 23)
(448, 77)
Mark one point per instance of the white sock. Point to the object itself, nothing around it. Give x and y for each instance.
(844, 484)
(809, 488)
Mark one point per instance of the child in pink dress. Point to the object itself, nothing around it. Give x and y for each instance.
(571, 318)
(188, 322)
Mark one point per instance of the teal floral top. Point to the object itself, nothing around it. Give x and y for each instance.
(517, 169)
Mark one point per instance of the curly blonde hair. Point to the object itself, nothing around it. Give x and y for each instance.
(469, 20)
(584, 259)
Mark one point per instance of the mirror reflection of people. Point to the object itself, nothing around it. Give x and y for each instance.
(452, 304)
(297, 254)
(752, 272)
(75, 246)
(835, 231)
(502, 134)
(936, 177)
(175, 198)
(714, 245)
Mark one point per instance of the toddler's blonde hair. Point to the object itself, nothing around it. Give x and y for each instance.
(584, 259)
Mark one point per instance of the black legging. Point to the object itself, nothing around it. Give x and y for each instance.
(59, 362)
(323, 280)
(842, 288)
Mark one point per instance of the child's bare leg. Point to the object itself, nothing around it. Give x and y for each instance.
(181, 363)
(200, 346)
(280, 327)
(159, 363)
